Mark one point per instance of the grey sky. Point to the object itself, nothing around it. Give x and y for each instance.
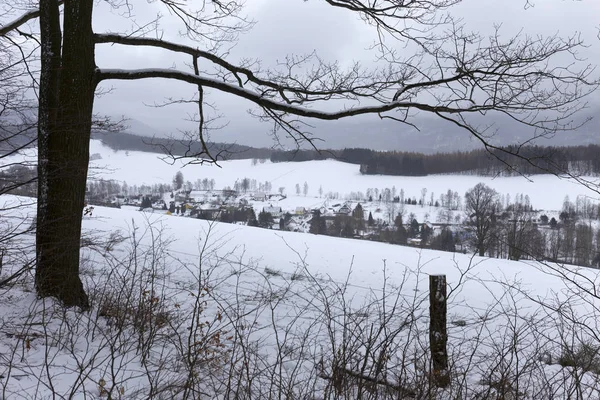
(298, 27)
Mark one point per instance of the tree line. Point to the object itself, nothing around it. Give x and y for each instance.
(504, 160)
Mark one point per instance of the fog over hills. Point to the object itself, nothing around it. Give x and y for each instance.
(432, 136)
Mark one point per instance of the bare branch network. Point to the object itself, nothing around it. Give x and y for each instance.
(449, 73)
(501, 78)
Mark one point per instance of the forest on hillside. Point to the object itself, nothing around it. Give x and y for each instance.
(525, 160)
(179, 147)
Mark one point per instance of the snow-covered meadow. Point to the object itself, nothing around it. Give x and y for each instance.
(186, 308)
(305, 295)
(546, 192)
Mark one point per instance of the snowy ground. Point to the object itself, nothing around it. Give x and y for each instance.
(287, 288)
(285, 304)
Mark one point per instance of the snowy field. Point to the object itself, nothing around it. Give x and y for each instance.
(186, 308)
(297, 297)
(546, 192)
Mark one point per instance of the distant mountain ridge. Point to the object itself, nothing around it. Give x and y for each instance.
(131, 142)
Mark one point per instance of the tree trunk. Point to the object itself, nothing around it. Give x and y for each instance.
(59, 234)
(48, 100)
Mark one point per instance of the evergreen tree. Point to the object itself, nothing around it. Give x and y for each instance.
(426, 232)
(444, 241)
(359, 216)
(317, 224)
(178, 180)
(251, 220)
(348, 230)
(358, 212)
(414, 228)
(400, 235)
(371, 221)
(146, 202)
(265, 219)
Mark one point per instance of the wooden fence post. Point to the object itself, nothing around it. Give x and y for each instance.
(438, 336)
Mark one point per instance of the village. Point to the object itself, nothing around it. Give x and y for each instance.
(418, 218)
(388, 219)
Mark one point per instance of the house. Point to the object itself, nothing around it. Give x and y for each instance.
(343, 210)
(181, 196)
(276, 196)
(159, 205)
(329, 220)
(198, 196)
(276, 212)
(414, 242)
(300, 211)
(209, 211)
(259, 196)
(292, 225)
(322, 210)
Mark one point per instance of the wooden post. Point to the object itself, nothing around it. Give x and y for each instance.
(438, 337)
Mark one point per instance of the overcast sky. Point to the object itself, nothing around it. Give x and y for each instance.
(297, 27)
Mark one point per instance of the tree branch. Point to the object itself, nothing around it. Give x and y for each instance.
(11, 26)
(121, 74)
(300, 90)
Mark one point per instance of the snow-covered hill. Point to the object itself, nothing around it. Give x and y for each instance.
(546, 192)
(180, 302)
(297, 295)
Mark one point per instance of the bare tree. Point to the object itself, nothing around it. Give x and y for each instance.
(18, 175)
(481, 205)
(448, 72)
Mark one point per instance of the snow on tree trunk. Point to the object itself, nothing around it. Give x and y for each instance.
(438, 336)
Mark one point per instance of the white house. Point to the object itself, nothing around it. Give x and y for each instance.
(259, 196)
(276, 212)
